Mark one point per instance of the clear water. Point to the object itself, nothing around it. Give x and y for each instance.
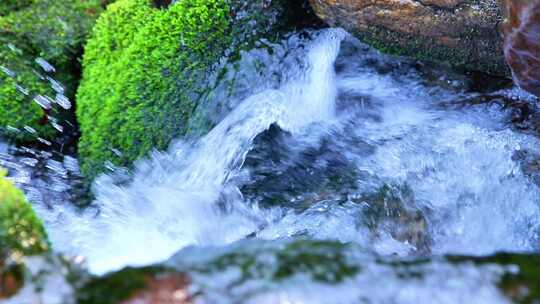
(321, 138)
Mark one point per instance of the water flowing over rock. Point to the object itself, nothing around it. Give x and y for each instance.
(522, 43)
(460, 32)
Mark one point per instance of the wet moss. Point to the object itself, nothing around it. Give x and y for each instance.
(18, 110)
(116, 287)
(51, 30)
(146, 69)
(523, 285)
(9, 6)
(21, 231)
(323, 261)
(142, 70)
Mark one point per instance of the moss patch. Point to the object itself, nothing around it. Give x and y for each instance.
(323, 261)
(141, 70)
(21, 231)
(428, 49)
(145, 71)
(47, 29)
(118, 286)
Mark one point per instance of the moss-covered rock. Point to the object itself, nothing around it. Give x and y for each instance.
(21, 234)
(146, 69)
(53, 31)
(463, 33)
(141, 67)
(21, 231)
(122, 285)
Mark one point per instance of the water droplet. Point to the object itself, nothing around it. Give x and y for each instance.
(44, 101)
(46, 66)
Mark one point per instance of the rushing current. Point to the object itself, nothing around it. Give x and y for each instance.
(329, 140)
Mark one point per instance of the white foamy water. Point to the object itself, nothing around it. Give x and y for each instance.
(366, 151)
(175, 195)
(457, 162)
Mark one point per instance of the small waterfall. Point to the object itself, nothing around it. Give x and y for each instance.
(172, 200)
(321, 146)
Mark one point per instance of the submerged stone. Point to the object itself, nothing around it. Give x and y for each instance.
(394, 209)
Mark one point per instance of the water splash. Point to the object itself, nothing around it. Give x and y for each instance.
(180, 197)
(364, 149)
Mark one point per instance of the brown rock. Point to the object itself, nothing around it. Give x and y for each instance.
(163, 289)
(463, 33)
(522, 43)
(10, 280)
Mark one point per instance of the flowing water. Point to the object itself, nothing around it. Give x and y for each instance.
(322, 138)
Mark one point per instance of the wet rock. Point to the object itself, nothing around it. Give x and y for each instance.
(166, 289)
(243, 271)
(393, 209)
(530, 164)
(11, 280)
(145, 285)
(522, 43)
(461, 32)
(522, 284)
(298, 178)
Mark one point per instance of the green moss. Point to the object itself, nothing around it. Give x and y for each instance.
(523, 285)
(323, 261)
(21, 231)
(116, 287)
(8, 6)
(465, 54)
(145, 71)
(17, 109)
(141, 70)
(48, 29)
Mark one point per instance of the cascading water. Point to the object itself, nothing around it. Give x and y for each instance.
(334, 142)
(175, 195)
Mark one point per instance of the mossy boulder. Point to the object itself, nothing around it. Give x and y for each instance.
(21, 234)
(141, 69)
(21, 231)
(40, 40)
(146, 68)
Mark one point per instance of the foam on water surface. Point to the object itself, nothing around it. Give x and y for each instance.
(347, 145)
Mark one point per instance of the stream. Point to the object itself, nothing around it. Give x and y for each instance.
(316, 138)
